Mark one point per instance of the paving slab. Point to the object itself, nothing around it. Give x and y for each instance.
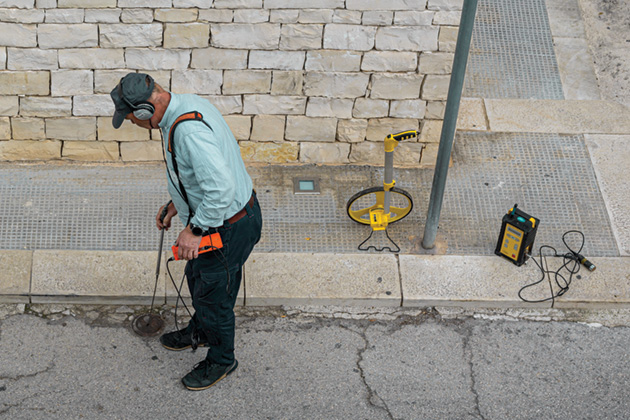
(94, 276)
(611, 159)
(557, 116)
(15, 276)
(575, 65)
(322, 279)
(446, 280)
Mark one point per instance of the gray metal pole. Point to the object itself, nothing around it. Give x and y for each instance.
(456, 84)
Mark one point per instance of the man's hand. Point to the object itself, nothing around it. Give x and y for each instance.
(166, 223)
(188, 245)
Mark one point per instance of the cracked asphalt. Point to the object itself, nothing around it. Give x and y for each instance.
(342, 363)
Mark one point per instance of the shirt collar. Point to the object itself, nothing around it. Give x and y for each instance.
(170, 115)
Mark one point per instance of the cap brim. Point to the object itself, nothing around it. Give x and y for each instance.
(118, 119)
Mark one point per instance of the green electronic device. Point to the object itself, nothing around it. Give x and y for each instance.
(518, 232)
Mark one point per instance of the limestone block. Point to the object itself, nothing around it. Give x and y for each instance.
(301, 37)
(429, 155)
(283, 16)
(3, 58)
(20, 4)
(436, 63)
(176, 15)
(287, 82)
(336, 85)
(408, 154)
(447, 17)
(145, 3)
(93, 105)
(9, 105)
(106, 80)
(102, 15)
(251, 16)
(315, 16)
(24, 83)
(215, 16)
(18, 35)
(326, 60)
(301, 128)
(217, 58)
(22, 150)
(199, 4)
(386, 4)
(126, 132)
(396, 86)
(268, 128)
(407, 38)
(147, 59)
(325, 153)
(238, 4)
(141, 151)
(472, 115)
(15, 273)
(431, 131)
(91, 58)
(448, 38)
(95, 4)
(71, 128)
(161, 77)
(136, 16)
(90, 151)
(367, 152)
(55, 35)
(204, 82)
(304, 4)
(130, 35)
(31, 59)
(414, 18)
(413, 108)
(370, 108)
(45, 4)
(280, 60)
(349, 37)
(377, 17)
(352, 131)
(21, 15)
(393, 61)
(246, 81)
(269, 152)
(241, 126)
(379, 128)
(435, 110)
(33, 106)
(5, 128)
(435, 87)
(347, 16)
(28, 128)
(445, 4)
(274, 104)
(246, 36)
(64, 16)
(186, 35)
(329, 107)
(72, 82)
(227, 104)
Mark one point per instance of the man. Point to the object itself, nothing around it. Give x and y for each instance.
(212, 192)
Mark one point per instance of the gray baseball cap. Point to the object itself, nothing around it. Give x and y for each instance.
(131, 90)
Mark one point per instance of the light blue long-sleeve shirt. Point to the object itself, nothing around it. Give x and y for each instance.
(209, 162)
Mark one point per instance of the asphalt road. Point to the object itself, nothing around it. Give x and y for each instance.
(294, 365)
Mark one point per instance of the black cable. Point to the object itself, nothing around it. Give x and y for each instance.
(562, 282)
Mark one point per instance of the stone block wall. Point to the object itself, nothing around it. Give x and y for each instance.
(317, 81)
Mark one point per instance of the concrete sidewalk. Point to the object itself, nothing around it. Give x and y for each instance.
(422, 278)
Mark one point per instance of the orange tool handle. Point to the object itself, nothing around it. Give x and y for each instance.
(208, 243)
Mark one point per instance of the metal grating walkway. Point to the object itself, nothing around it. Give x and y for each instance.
(512, 55)
(113, 208)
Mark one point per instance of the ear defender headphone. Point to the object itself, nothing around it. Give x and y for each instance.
(143, 110)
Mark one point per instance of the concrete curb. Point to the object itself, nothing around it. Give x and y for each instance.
(272, 279)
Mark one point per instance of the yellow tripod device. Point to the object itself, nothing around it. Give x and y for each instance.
(380, 206)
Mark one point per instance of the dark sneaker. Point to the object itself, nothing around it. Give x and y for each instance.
(206, 374)
(179, 340)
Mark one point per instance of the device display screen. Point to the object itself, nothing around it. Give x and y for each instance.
(514, 231)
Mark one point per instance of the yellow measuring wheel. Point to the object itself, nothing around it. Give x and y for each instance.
(380, 206)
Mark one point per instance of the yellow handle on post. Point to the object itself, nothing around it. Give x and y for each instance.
(391, 141)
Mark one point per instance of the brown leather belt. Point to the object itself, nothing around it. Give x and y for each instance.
(238, 216)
